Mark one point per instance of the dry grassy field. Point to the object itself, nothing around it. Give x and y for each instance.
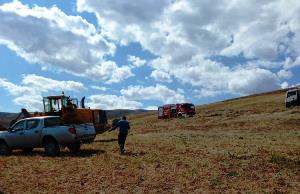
(247, 145)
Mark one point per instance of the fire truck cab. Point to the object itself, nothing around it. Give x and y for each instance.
(179, 110)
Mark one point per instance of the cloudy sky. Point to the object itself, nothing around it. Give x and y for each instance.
(141, 54)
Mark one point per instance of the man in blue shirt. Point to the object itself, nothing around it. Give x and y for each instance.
(123, 126)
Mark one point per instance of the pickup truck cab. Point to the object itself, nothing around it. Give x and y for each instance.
(48, 132)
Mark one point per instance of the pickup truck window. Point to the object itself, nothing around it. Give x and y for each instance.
(52, 122)
(32, 124)
(18, 126)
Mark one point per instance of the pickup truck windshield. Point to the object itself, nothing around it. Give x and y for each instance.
(52, 122)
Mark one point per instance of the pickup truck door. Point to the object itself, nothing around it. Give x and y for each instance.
(33, 133)
(16, 137)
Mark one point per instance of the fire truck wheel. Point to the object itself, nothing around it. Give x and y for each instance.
(180, 116)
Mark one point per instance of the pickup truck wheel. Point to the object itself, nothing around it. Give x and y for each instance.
(4, 149)
(74, 148)
(51, 147)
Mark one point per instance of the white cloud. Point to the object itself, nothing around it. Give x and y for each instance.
(131, 98)
(177, 32)
(109, 102)
(44, 84)
(284, 85)
(160, 75)
(123, 20)
(29, 93)
(184, 35)
(158, 92)
(30, 102)
(213, 78)
(136, 61)
(182, 26)
(110, 72)
(285, 74)
(12, 88)
(204, 93)
(101, 88)
(250, 81)
(49, 37)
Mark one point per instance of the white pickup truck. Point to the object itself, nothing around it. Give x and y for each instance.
(48, 132)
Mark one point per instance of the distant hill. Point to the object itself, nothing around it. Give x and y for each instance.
(7, 115)
(5, 119)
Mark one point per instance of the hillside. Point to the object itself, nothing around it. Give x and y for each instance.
(118, 113)
(248, 145)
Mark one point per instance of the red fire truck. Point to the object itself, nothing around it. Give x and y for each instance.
(179, 110)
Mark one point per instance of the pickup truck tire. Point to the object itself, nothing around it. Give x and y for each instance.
(51, 147)
(74, 148)
(4, 149)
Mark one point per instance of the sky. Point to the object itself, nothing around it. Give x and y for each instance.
(123, 54)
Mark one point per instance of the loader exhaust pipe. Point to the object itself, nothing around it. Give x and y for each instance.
(82, 102)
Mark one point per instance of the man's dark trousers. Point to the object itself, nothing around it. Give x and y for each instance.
(121, 140)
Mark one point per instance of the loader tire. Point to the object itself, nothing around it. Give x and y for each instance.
(51, 147)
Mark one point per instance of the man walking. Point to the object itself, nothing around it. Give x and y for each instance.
(123, 126)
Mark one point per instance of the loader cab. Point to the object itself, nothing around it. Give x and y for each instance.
(292, 98)
(57, 105)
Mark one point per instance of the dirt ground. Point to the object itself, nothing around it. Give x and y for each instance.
(248, 145)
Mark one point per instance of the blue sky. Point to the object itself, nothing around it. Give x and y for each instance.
(141, 54)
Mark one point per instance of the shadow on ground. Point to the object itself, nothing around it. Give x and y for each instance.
(81, 154)
(105, 140)
(134, 154)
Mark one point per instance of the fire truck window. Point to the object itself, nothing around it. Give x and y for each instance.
(188, 106)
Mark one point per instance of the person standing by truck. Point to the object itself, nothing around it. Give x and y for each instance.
(124, 127)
